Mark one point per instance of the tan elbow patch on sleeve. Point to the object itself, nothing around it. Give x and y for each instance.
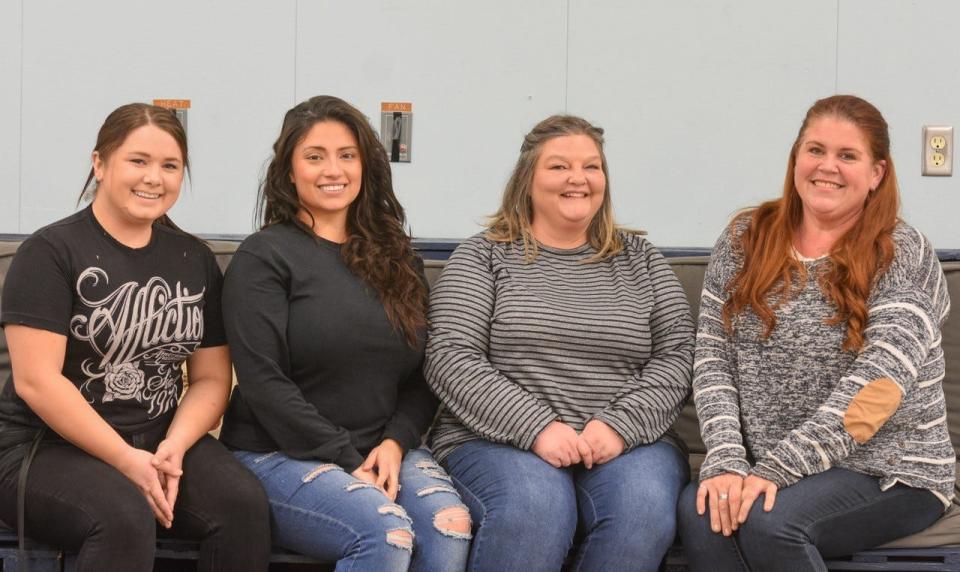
(870, 408)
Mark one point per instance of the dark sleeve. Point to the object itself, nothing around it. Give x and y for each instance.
(38, 291)
(255, 309)
(415, 410)
(213, 332)
(416, 404)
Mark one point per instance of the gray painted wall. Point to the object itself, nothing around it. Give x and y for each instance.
(700, 99)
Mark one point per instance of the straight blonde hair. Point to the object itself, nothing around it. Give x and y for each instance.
(512, 222)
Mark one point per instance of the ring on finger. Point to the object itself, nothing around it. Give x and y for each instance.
(724, 496)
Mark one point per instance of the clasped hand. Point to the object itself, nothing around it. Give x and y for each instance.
(382, 468)
(730, 498)
(560, 445)
(157, 476)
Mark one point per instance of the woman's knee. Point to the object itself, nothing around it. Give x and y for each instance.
(248, 501)
(768, 533)
(220, 486)
(383, 527)
(128, 524)
(687, 514)
(454, 521)
(530, 517)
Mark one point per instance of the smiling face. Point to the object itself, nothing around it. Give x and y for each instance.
(139, 181)
(567, 190)
(835, 171)
(327, 171)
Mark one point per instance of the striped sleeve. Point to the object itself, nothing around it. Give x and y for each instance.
(905, 315)
(457, 368)
(715, 389)
(649, 404)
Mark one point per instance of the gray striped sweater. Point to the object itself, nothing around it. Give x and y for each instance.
(514, 345)
(795, 404)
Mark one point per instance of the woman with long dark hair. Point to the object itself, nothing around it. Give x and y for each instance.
(325, 309)
(100, 311)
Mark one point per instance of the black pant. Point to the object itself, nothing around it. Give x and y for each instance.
(77, 502)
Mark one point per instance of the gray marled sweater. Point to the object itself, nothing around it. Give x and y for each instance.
(795, 404)
(515, 345)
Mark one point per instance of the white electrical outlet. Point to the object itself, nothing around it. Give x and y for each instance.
(937, 151)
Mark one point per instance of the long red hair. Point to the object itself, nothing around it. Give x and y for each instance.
(857, 259)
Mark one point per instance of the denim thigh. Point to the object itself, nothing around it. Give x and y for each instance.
(833, 513)
(628, 506)
(320, 510)
(524, 510)
(441, 522)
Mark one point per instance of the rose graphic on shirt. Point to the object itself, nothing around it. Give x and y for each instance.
(124, 381)
(140, 334)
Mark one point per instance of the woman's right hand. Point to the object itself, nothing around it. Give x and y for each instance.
(557, 445)
(723, 495)
(366, 475)
(137, 465)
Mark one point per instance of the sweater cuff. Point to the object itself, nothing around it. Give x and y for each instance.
(532, 428)
(735, 466)
(402, 433)
(621, 426)
(350, 459)
(768, 471)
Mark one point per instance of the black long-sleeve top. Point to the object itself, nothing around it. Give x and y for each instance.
(321, 372)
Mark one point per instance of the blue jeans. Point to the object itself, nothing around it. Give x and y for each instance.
(834, 513)
(526, 512)
(319, 510)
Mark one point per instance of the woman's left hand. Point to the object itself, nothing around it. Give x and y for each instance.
(753, 487)
(385, 461)
(168, 460)
(605, 444)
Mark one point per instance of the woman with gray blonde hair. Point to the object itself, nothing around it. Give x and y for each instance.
(561, 347)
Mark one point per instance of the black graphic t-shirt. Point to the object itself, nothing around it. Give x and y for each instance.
(131, 316)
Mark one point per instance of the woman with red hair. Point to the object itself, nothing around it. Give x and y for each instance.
(818, 364)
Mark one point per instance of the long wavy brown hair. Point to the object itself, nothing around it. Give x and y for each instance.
(119, 124)
(513, 221)
(378, 249)
(857, 259)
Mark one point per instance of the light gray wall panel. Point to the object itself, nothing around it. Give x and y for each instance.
(700, 102)
(233, 60)
(479, 75)
(10, 41)
(905, 58)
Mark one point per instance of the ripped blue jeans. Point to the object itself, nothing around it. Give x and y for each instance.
(319, 510)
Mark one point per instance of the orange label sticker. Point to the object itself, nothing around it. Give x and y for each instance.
(401, 106)
(172, 103)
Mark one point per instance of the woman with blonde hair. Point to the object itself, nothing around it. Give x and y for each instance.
(819, 367)
(561, 348)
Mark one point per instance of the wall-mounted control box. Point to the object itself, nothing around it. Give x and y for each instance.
(178, 106)
(396, 130)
